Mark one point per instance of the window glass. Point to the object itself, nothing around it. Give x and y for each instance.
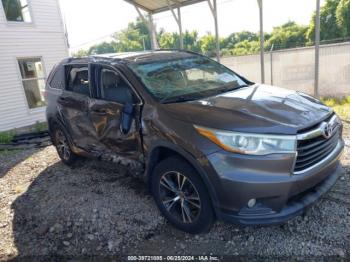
(31, 68)
(78, 80)
(58, 78)
(194, 76)
(33, 80)
(16, 10)
(113, 88)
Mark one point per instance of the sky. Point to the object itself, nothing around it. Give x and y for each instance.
(92, 21)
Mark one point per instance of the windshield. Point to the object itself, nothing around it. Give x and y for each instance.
(188, 78)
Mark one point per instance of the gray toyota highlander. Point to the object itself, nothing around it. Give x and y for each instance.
(209, 143)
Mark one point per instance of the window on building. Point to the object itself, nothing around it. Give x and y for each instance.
(33, 79)
(16, 10)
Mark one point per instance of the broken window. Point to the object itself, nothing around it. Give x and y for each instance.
(113, 88)
(33, 79)
(16, 10)
(58, 79)
(78, 80)
(192, 76)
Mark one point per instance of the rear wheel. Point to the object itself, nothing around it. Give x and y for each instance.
(63, 148)
(181, 196)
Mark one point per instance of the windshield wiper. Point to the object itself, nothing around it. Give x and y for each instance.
(230, 87)
(175, 99)
(183, 98)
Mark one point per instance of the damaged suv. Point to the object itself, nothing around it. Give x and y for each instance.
(209, 143)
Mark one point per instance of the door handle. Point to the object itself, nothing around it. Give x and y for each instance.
(62, 98)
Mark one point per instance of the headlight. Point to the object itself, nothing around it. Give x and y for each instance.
(251, 144)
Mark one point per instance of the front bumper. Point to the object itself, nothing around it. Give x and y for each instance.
(280, 195)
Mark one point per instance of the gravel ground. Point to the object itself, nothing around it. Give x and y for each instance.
(48, 210)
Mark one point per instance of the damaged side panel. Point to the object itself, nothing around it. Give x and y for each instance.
(94, 124)
(110, 142)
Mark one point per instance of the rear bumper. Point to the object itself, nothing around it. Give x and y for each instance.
(280, 195)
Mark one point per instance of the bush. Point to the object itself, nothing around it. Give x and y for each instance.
(39, 127)
(340, 105)
(6, 137)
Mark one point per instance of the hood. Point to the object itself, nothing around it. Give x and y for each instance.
(255, 109)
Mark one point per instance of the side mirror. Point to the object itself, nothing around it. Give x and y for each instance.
(126, 118)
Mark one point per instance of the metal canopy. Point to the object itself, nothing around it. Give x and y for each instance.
(158, 6)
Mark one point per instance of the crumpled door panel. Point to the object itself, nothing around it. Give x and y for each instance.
(111, 143)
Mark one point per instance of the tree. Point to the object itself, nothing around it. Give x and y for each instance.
(103, 48)
(168, 40)
(207, 45)
(172, 40)
(191, 41)
(329, 28)
(81, 53)
(134, 38)
(246, 47)
(234, 38)
(343, 17)
(287, 36)
(335, 23)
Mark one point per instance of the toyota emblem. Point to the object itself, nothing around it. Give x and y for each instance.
(328, 130)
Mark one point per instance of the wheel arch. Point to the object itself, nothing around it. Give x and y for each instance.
(164, 150)
(52, 122)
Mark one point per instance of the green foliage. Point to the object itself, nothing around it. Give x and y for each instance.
(102, 48)
(6, 137)
(343, 17)
(246, 47)
(329, 101)
(207, 45)
(340, 105)
(81, 53)
(168, 40)
(40, 126)
(191, 41)
(329, 28)
(172, 40)
(134, 38)
(332, 101)
(287, 36)
(335, 23)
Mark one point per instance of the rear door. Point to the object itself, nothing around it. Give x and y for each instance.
(73, 106)
(112, 94)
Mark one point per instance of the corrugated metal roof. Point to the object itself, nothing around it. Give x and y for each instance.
(157, 6)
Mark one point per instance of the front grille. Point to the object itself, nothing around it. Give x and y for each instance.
(313, 150)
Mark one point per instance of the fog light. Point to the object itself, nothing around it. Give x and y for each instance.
(251, 203)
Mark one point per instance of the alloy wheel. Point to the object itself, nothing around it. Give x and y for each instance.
(180, 197)
(62, 145)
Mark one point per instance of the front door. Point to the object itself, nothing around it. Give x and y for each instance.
(112, 95)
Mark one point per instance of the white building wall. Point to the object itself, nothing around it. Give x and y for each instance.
(43, 38)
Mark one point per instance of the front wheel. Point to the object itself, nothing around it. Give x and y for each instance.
(62, 146)
(181, 196)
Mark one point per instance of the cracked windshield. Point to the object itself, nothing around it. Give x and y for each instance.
(186, 79)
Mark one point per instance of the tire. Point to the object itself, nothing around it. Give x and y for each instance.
(181, 196)
(62, 146)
